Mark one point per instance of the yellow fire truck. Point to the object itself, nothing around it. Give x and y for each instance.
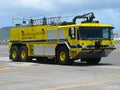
(63, 41)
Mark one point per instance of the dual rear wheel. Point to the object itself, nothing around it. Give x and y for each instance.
(19, 54)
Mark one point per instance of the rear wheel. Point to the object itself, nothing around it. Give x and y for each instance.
(93, 61)
(24, 54)
(14, 54)
(62, 56)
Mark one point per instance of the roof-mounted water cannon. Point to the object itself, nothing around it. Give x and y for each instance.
(89, 17)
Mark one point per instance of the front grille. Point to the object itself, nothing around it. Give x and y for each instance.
(97, 45)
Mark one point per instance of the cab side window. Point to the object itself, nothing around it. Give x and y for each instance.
(72, 33)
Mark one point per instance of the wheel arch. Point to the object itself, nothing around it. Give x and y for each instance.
(60, 45)
(18, 45)
(68, 61)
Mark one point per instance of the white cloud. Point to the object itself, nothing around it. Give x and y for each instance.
(67, 5)
(36, 4)
(109, 16)
(56, 6)
(107, 11)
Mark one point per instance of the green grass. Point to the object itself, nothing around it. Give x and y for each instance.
(4, 43)
(117, 42)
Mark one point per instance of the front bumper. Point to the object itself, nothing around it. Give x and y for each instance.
(93, 53)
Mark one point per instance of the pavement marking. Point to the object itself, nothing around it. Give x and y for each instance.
(24, 64)
(116, 67)
(4, 58)
(4, 52)
(12, 73)
(27, 79)
(3, 68)
(113, 75)
(79, 85)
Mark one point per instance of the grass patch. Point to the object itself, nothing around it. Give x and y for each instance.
(4, 43)
(117, 42)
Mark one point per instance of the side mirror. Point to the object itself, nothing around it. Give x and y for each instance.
(72, 32)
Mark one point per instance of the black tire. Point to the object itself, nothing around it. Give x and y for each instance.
(62, 56)
(93, 61)
(14, 54)
(24, 54)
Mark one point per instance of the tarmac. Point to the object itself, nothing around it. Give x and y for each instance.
(47, 76)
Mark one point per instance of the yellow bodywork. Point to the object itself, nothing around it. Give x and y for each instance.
(40, 37)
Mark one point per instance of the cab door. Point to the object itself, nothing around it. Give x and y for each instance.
(73, 36)
(73, 40)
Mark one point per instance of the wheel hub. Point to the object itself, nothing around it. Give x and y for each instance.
(23, 54)
(14, 54)
(62, 56)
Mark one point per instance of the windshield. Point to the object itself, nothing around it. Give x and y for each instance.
(94, 33)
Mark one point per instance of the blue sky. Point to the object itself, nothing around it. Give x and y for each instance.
(106, 11)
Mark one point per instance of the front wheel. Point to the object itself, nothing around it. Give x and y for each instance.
(24, 54)
(93, 61)
(62, 56)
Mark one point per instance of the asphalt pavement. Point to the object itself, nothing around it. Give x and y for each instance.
(46, 76)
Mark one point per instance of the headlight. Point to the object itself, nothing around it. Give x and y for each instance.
(84, 46)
